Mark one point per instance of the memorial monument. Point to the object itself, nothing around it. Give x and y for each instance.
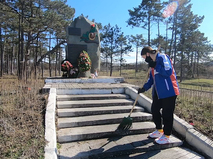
(83, 35)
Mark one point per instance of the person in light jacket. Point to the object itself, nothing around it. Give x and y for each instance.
(163, 80)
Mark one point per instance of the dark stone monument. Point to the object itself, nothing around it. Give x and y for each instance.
(83, 34)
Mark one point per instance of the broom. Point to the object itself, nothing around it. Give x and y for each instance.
(127, 121)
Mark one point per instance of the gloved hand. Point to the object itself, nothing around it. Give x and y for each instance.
(141, 90)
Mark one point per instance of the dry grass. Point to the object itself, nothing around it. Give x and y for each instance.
(22, 111)
(196, 107)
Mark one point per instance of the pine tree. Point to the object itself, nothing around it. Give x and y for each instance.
(138, 41)
(146, 13)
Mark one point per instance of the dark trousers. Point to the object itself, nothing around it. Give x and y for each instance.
(168, 107)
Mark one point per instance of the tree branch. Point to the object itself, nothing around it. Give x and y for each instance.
(50, 52)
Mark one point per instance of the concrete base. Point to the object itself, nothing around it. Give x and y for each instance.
(100, 79)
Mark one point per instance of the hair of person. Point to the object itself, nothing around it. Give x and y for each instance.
(147, 49)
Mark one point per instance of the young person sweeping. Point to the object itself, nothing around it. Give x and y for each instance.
(165, 90)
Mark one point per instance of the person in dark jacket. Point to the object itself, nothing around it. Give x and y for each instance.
(163, 80)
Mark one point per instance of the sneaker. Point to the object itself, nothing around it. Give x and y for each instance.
(162, 140)
(156, 134)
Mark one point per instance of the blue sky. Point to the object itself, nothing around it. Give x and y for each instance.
(116, 12)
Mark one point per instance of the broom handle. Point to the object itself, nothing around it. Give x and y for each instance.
(138, 94)
(159, 46)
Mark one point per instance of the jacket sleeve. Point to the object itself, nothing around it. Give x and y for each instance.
(149, 82)
(164, 67)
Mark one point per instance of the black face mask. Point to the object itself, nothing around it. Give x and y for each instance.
(150, 61)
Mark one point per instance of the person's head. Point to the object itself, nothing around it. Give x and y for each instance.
(148, 51)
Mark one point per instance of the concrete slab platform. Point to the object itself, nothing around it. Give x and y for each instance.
(170, 153)
(98, 131)
(93, 103)
(101, 119)
(97, 110)
(115, 147)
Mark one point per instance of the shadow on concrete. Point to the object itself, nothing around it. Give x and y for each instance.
(145, 147)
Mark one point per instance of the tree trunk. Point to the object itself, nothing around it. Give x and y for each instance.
(49, 52)
(111, 60)
(56, 58)
(2, 57)
(121, 60)
(191, 66)
(136, 62)
(149, 29)
(198, 64)
(181, 67)
(22, 45)
(166, 39)
(175, 41)
(50, 57)
(12, 58)
(106, 64)
(7, 63)
(158, 33)
(36, 57)
(59, 64)
(111, 64)
(42, 66)
(181, 60)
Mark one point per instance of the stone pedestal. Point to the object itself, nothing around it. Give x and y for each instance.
(84, 74)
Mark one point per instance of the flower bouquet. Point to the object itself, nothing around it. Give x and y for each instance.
(66, 66)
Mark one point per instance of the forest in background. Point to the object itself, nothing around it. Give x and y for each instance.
(33, 34)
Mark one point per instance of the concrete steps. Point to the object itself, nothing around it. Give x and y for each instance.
(75, 112)
(102, 119)
(93, 103)
(87, 127)
(91, 96)
(98, 131)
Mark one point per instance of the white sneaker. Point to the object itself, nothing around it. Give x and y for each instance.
(155, 134)
(162, 140)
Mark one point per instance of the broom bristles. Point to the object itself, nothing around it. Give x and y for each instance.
(125, 124)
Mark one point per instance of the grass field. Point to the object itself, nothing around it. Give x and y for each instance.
(22, 111)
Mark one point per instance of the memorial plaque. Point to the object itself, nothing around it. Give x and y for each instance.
(74, 52)
(74, 31)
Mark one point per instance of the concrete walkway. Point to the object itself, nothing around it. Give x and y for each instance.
(88, 114)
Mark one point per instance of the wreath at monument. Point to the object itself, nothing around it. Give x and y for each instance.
(68, 69)
(65, 67)
(84, 62)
